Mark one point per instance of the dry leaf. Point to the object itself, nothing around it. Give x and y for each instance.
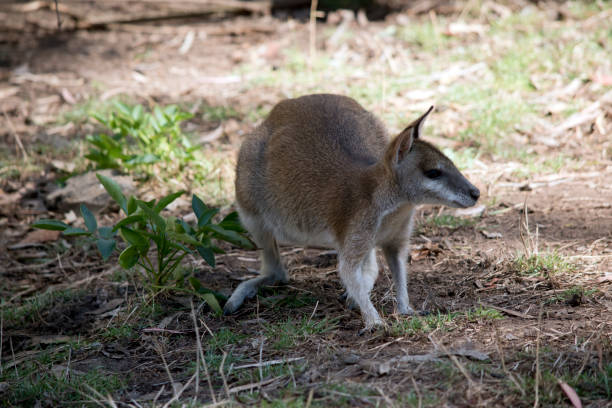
(39, 236)
(571, 394)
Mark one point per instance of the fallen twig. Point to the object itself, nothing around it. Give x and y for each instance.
(250, 386)
(508, 311)
(269, 363)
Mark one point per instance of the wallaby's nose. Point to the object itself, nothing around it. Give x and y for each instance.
(475, 193)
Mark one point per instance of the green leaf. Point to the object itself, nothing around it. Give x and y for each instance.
(105, 232)
(114, 191)
(148, 158)
(135, 239)
(129, 220)
(47, 224)
(212, 301)
(106, 247)
(129, 257)
(123, 108)
(232, 222)
(71, 231)
(187, 239)
(186, 227)
(164, 202)
(153, 216)
(132, 205)
(207, 254)
(206, 217)
(231, 236)
(198, 206)
(200, 290)
(137, 113)
(90, 220)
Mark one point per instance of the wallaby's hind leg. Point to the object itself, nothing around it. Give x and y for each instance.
(396, 259)
(271, 272)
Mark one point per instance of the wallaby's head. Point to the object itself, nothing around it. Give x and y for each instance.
(424, 174)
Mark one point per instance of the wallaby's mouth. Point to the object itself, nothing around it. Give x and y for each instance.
(469, 199)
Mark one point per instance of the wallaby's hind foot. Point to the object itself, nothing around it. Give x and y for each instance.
(272, 270)
(248, 289)
(350, 303)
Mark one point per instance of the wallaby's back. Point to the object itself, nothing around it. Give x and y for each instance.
(300, 167)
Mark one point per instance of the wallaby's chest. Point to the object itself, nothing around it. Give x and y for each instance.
(396, 225)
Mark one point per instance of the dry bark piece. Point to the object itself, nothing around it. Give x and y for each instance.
(86, 189)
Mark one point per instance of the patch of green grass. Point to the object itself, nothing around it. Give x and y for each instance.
(449, 221)
(483, 313)
(349, 394)
(589, 385)
(31, 309)
(542, 264)
(575, 294)
(291, 300)
(81, 112)
(44, 380)
(118, 332)
(286, 334)
(219, 113)
(425, 36)
(421, 324)
(493, 115)
(223, 338)
(414, 400)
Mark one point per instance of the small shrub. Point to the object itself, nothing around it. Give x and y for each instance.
(136, 139)
(143, 225)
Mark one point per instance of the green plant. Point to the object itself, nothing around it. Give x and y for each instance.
(138, 138)
(542, 264)
(173, 238)
(483, 313)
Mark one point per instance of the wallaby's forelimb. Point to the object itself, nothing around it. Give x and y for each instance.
(396, 259)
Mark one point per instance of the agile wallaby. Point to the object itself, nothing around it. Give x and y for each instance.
(321, 170)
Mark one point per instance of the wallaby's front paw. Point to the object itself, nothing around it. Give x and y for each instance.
(406, 311)
(376, 327)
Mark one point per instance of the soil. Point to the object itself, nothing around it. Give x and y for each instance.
(453, 270)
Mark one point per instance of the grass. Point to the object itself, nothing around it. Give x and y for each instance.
(42, 378)
(31, 309)
(574, 295)
(418, 325)
(482, 313)
(287, 334)
(542, 264)
(449, 221)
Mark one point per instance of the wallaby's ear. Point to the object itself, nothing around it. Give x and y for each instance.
(402, 144)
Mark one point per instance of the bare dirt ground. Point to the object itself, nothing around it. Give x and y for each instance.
(497, 332)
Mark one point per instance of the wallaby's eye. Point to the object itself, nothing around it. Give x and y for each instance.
(433, 173)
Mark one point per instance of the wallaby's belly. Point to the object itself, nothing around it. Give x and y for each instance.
(288, 233)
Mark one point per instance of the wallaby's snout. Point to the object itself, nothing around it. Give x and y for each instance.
(475, 194)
